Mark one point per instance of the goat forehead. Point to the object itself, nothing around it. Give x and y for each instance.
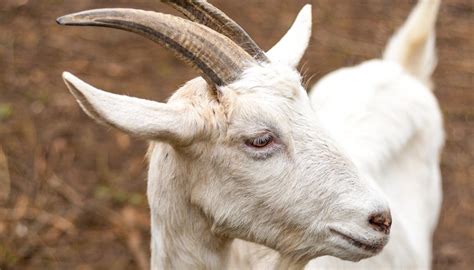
(265, 96)
(269, 79)
(269, 95)
(271, 108)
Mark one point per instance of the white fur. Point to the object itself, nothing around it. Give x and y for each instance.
(413, 46)
(207, 186)
(392, 129)
(133, 115)
(296, 40)
(385, 118)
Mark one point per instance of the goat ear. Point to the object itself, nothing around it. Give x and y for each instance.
(413, 46)
(290, 49)
(138, 117)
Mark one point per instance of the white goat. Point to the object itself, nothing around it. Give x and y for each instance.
(240, 153)
(387, 121)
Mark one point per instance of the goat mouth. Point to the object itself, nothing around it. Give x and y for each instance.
(372, 248)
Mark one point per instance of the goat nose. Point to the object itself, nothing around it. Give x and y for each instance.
(381, 221)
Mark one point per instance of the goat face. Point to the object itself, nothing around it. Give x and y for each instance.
(270, 175)
(257, 163)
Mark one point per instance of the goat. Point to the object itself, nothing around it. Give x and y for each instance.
(238, 152)
(387, 121)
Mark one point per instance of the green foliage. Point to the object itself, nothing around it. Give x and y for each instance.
(6, 111)
(7, 257)
(108, 193)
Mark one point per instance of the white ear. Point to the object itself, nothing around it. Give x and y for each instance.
(139, 117)
(414, 46)
(290, 49)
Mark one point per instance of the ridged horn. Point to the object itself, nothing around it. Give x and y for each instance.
(205, 13)
(219, 59)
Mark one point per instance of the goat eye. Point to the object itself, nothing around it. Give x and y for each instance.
(261, 141)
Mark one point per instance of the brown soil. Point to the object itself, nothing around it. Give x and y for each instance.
(72, 193)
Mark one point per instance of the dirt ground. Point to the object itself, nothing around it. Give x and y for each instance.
(72, 193)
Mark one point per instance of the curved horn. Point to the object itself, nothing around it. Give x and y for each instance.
(204, 13)
(219, 58)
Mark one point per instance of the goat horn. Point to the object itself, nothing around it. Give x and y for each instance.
(205, 13)
(219, 59)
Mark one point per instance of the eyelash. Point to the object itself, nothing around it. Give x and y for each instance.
(261, 141)
(263, 146)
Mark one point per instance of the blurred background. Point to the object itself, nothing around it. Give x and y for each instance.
(72, 193)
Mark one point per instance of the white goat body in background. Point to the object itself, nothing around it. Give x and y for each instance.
(238, 153)
(385, 117)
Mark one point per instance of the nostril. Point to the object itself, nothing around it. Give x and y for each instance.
(381, 221)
